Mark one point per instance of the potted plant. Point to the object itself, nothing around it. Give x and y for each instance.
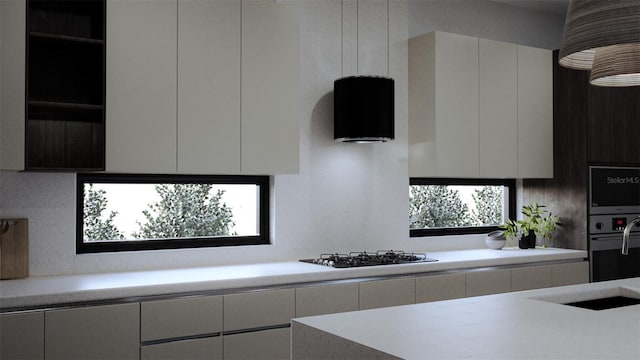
(536, 221)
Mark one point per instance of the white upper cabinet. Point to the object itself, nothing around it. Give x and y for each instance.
(270, 105)
(479, 108)
(498, 111)
(202, 87)
(141, 86)
(12, 88)
(535, 113)
(209, 86)
(443, 105)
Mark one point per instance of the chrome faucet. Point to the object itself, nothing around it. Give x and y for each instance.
(625, 236)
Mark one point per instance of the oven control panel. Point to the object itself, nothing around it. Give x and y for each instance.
(603, 224)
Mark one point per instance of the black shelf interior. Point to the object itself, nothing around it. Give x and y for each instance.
(75, 18)
(61, 71)
(65, 85)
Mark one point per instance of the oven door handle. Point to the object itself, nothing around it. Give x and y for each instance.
(612, 242)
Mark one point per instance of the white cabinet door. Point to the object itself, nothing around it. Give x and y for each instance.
(440, 287)
(498, 109)
(326, 299)
(488, 282)
(383, 293)
(22, 336)
(206, 348)
(107, 332)
(535, 113)
(270, 105)
(174, 318)
(531, 277)
(141, 86)
(258, 309)
(209, 86)
(443, 105)
(12, 85)
(266, 344)
(570, 274)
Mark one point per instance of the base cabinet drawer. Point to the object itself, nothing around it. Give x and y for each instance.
(22, 336)
(383, 293)
(266, 344)
(94, 332)
(570, 274)
(533, 277)
(252, 310)
(488, 282)
(207, 348)
(175, 318)
(326, 299)
(440, 287)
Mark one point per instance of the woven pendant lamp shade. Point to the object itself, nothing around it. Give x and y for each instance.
(617, 65)
(593, 24)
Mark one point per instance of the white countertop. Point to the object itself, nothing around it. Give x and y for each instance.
(504, 326)
(56, 290)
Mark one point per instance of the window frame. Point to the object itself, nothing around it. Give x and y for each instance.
(264, 183)
(511, 201)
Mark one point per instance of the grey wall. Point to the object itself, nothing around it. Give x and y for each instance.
(346, 197)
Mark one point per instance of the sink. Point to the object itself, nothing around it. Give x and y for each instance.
(600, 299)
(605, 303)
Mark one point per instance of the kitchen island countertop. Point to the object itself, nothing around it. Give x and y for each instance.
(522, 325)
(35, 292)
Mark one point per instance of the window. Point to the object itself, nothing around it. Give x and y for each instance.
(116, 212)
(459, 206)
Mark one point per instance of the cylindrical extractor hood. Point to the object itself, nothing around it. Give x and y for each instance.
(363, 109)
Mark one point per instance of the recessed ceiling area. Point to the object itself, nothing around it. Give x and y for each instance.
(551, 6)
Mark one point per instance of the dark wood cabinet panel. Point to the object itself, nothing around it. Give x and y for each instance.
(65, 85)
(591, 125)
(614, 125)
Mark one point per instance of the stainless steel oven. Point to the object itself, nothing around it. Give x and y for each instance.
(614, 200)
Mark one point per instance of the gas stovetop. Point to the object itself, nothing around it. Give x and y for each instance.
(358, 259)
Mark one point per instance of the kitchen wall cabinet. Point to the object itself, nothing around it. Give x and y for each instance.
(270, 115)
(52, 96)
(383, 293)
(326, 299)
(443, 105)
(141, 86)
(110, 331)
(209, 47)
(479, 108)
(12, 87)
(488, 282)
(440, 287)
(22, 336)
(498, 109)
(265, 344)
(535, 113)
(202, 87)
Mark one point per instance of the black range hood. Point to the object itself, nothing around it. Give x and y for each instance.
(363, 109)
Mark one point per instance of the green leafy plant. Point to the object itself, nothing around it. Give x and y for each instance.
(536, 219)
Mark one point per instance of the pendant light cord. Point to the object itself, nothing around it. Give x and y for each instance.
(388, 38)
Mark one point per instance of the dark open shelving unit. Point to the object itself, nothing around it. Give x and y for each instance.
(65, 124)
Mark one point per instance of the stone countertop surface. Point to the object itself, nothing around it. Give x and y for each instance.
(47, 291)
(522, 325)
